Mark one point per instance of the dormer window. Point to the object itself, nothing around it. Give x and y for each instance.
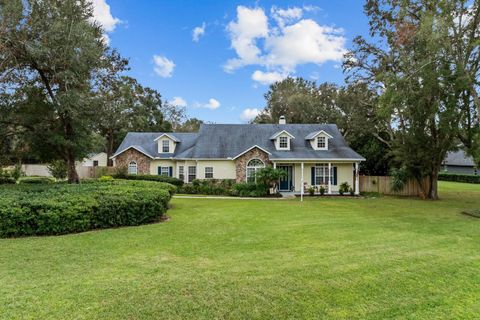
(165, 146)
(321, 142)
(167, 143)
(283, 143)
(282, 140)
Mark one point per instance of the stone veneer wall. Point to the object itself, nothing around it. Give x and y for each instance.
(143, 162)
(241, 162)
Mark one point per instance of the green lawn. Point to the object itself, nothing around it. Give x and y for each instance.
(323, 258)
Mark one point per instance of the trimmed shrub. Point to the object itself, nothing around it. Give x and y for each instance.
(208, 187)
(251, 190)
(62, 208)
(459, 177)
(147, 177)
(105, 178)
(36, 180)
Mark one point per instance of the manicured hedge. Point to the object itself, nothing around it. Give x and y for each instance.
(459, 177)
(147, 177)
(36, 180)
(226, 187)
(52, 209)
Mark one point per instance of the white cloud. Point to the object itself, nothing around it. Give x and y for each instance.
(212, 104)
(283, 16)
(163, 66)
(178, 102)
(198, 32)
(304, 42)
(249, 114)
(102, 15)
(267, 78)
(251, 24)
(281, 47)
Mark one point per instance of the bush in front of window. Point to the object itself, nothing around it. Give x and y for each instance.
(147, 177)
(55, 209)
(208, 187)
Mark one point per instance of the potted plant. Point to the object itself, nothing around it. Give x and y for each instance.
(311, 190)
(343, 188)
(322, 190)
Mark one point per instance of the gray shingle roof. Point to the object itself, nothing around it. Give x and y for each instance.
(145, 143)
(223, 141)
(459, 158)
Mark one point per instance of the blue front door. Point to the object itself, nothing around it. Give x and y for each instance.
(286, 183)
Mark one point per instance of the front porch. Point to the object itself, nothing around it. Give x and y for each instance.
(301, 175)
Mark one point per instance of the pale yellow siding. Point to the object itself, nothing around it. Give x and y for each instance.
(221, 169)
(154, 164)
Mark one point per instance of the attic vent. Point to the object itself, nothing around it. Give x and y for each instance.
(282, 120)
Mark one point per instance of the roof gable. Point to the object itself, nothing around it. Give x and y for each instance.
(313, 135)
(275, 135)
(171, 137)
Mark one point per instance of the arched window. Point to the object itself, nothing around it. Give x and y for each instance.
(132, 167)
(252, 167)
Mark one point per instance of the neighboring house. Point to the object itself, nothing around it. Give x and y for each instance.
(459, 162)
(311, 154)
(95, 160)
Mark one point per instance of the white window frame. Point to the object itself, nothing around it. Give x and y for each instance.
(322, 174)
(286, 142)
(181, 173)
(165, 171)
(209, 172)
(133, 167)
(165, 146)
(192, 171)
(253, 168)
(322, 140)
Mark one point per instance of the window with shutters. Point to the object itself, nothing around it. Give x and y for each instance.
(321, 174)
(165, 171)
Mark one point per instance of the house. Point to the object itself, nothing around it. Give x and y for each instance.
(459, 162)
(311, 154)
(95, 160)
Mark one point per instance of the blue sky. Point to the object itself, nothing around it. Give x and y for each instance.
(221, 72)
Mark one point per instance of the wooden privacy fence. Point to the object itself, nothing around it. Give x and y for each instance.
(82, 171)
(382, 184)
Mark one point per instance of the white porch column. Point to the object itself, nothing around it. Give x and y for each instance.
(329, 178)
(301, 184)
(274, 165)
(357, 179)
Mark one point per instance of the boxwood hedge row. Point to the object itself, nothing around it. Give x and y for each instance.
(459, 177)
(148, 177)
(48, 209)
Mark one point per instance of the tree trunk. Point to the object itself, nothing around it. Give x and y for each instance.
(433, 188)
(72, 171)
(69, 149)
(109, 149)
